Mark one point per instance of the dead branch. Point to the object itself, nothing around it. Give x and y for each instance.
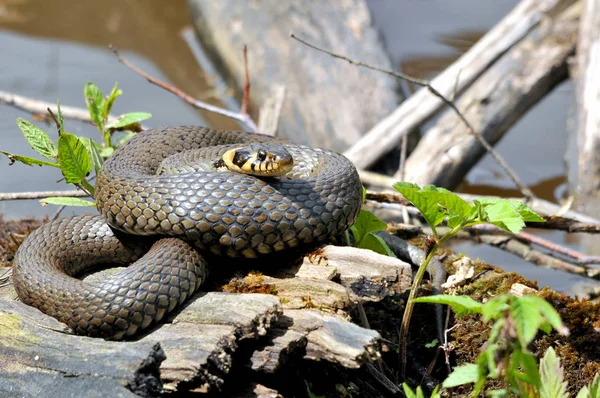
(420, 107)
(38, 107)
(42, 195)
(572, 222)
(240, 117)
(522, 187)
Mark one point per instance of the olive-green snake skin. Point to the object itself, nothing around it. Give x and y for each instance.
(219, 212)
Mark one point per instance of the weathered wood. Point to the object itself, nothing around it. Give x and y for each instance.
(588, 101)
(498, 98)
(195, 349)
(328, 103)
(423, 105)
(198, 344)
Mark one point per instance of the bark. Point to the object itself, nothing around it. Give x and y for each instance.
(506, 91)
(328, 103)
(195, 349)
(588, 96)
(423, 105)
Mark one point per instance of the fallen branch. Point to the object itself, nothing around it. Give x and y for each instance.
(240, 117)
(572, 221)
(424, 83)
(421, 106)
(42, 195)
(38, 107)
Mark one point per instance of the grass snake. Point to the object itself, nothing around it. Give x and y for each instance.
(193, 211)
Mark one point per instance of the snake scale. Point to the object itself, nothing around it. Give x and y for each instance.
(193, 211)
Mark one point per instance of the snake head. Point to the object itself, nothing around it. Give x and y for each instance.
(260, 160)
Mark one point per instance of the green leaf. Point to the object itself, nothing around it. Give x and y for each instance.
(497, 393)
(434, 343)
(94, 152)
(128, 119)
(550, 314)
(124, 138)
(37, 139)
(106, 152)
(365, 223)
(526, 213)
(503, 215)
(376, 244)
(527, 318)
(495, 308)
(74, 160)
(408, 391)
(552, 384)
(59, 117)
(27, 160)
(463, 374)
(595, 387)
(94, 100)
(531, 376)
(584, 393)
(462, 305)
(435, 204)
(67, 201)
(110, 101)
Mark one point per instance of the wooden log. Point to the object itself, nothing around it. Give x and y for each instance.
(328, 103)
(588, 100)
(195, 349)
(423, 105)
(506, 91)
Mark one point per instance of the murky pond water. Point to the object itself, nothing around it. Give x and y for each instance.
(51, 48)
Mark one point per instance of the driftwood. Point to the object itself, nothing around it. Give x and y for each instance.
(423, 105)
(588, 99)
(196, 348)
(328, 103)
(506, 91)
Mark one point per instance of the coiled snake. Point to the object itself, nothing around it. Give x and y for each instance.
(220, 212)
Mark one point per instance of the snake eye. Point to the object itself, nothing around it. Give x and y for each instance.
(261, 154)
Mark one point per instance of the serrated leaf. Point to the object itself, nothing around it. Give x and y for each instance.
(115, 92)
(94, 152)
(527, 319)
(365, 223)
(74, 159)
(503, 215)
(435, 204)
(552, 384)
(495, 308)
(129, 119)
(95, 101)
(37, 139)
(376, 244)
(526, 213)
(462, 305)
(27, 160)
(549, 313)
(463, 374)
(67, 201)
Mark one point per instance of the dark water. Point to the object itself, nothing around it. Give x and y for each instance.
(51, 48)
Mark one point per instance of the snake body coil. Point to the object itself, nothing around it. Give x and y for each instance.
(220, 212)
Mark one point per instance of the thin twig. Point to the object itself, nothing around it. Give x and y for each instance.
(38, 107)
(246, 97)
(424, 83)
(42, 195)
(240, 117)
